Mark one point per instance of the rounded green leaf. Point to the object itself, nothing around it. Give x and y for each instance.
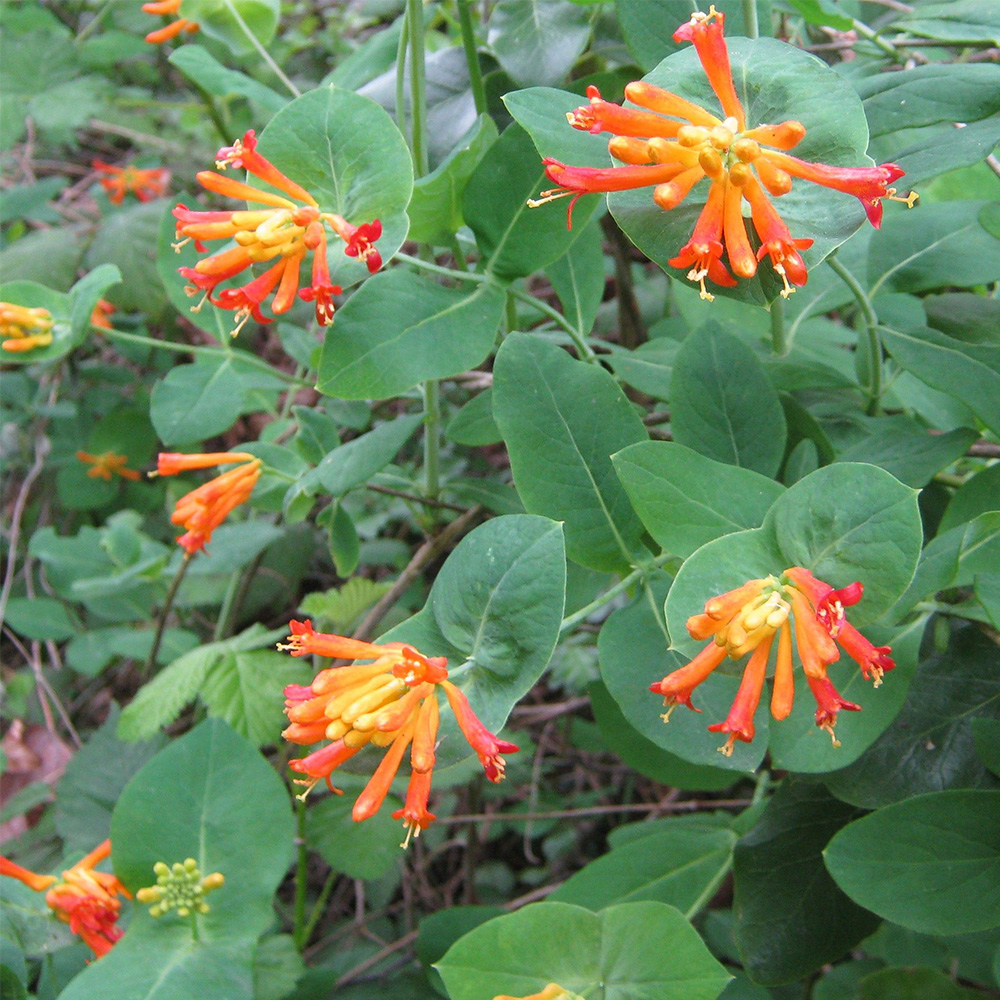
(606, 954)
(235, 22)
(935, 866)
(209, 796)
(776, 82)
(347, 152)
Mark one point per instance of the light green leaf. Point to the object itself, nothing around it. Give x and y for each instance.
(235, 22)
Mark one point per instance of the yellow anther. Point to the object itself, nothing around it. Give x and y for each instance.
(908, 201)
(553, 194)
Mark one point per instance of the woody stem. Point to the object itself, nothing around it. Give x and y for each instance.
(874, 342)
(161, 623)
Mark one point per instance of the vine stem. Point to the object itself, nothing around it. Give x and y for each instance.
(874, 342)
(472, 55)
(432, 437)
(779, 335)
(750, 18)
(261, 51)
(317, 910)
(612, 592)
(301, 875)
(418, 86)
(165, 613)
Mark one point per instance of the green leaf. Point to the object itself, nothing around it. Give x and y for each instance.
(685, 499)
(339, 609)
(738, 420)
(952, 248)
(366, 850)
(977, 495)
(679, 865)
(235, 22)
(823, 13)
(435, 209)
(202, 399)
(913, 984)
(929, 95)
(930, 745)
(40, 618)
(938, 867)
(578, 278)
(970, 373)
(968, 21)
(400, 329)
(777, 872)
(633, 649)
(537, 41)
(56, 253)
(474, 425)
(589, 953)
(277, 966)
(649, 367)
(515, 239)
(342, 538)
(941, 148)
(986, 733)
(643, 755)
(93, 781)
(206, 72)
(210, 796)
(246, 689)
(775, 82)
(499, 598)
(562, 419)
(347, 152)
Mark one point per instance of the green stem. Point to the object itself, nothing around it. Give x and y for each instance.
(705, 896)
(432, 441)
(761, 787)
(586, 351)
(779, 336)
(227, 602)
(261, 51)
(612, 592)
(874, 342)
(896, 55)
(750, 18)
(221, 128)
(194, 926)
(222, 352)
(94, 23)
(456, 250)
(161, 623)
(448, 272)
(472, 55)
(510, 311)
(317, 910)
(418, 88)
(404, 40)
(301, 874)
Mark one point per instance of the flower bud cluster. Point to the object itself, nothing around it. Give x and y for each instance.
(179, 887)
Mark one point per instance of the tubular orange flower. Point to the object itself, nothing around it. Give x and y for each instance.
(168, 8)
(23, 328)
(745, 620)
(144, 184)
(202, 510)
(551, 992)
(85, 899)
(281, 235)
(101, 316)
(108, 464)
(390, 702)
(736, 159)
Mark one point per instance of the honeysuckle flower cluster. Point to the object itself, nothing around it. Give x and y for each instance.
(179, 887)
(747, 619)
(106, 465)
(169, 8)
(84, 898)
(24, 329)
(551, 992)
(670, 144)
(390, 703)
(280, 235)
(101, 316)
(202, 510)
(145, 184)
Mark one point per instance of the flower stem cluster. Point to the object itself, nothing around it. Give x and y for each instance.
(179, 887)
(391, 703)
(671, 144)
(84, 898)
(746, 620)
(280, 235)
(23, 329)
(202, 510)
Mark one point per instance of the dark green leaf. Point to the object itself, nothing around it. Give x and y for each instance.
(578, 279)
(202, 69)
(912, 984)
(474, 425)
(366, 850)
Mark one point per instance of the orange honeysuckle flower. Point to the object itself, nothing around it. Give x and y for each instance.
(202, 510)
(108, 464)
(168, 8)
(84, 898)
(23, 329)
(551, 992)
(740, 162)
(390, 702)
(101, 316)
(144, 184)
(281, 236)
(746, 620)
